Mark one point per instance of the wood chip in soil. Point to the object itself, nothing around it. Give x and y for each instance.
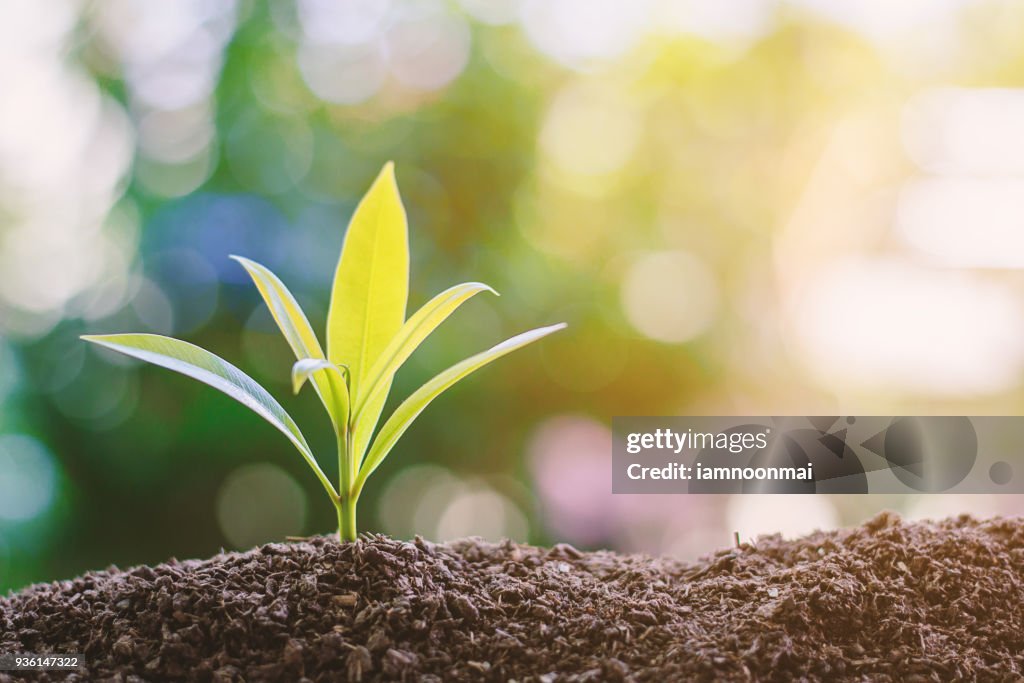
(886, 601)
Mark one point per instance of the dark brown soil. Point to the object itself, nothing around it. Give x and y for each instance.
(885, 601)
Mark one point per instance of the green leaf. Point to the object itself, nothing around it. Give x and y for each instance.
(412, 334)
(292, 322)
(410, 409)
(197, 363)
(369, 294)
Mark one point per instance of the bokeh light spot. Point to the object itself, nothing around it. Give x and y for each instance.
(481, 511)
(570, 457)
(430, 500)
(964, 222)
(260, 503)
(590, 130)
(883, 323)
(579, 33)
(28, 478)
(401, 509)
(670, 296)
(343, 74)
(427, 50)
(348, 22)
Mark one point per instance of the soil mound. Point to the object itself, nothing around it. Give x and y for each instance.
(885, 601)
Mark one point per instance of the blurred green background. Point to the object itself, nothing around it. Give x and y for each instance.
(757, 207)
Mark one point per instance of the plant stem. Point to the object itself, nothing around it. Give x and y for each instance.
(347, 518)
(346, 500)
(345, 503)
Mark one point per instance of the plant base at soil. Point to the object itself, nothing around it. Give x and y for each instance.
(885, 601)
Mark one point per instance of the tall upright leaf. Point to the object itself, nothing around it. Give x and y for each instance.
(371, 287)
(200, 364)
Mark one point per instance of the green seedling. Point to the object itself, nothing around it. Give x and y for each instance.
(368, 340)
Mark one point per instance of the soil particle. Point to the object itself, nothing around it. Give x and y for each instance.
(886, 601)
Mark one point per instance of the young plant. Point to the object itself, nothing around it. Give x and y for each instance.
(368, 340)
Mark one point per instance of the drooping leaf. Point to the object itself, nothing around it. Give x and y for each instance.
(200, 364)
(410, 336)
(291, 321)
(369, 294)
(304, 368)
(410, 409)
